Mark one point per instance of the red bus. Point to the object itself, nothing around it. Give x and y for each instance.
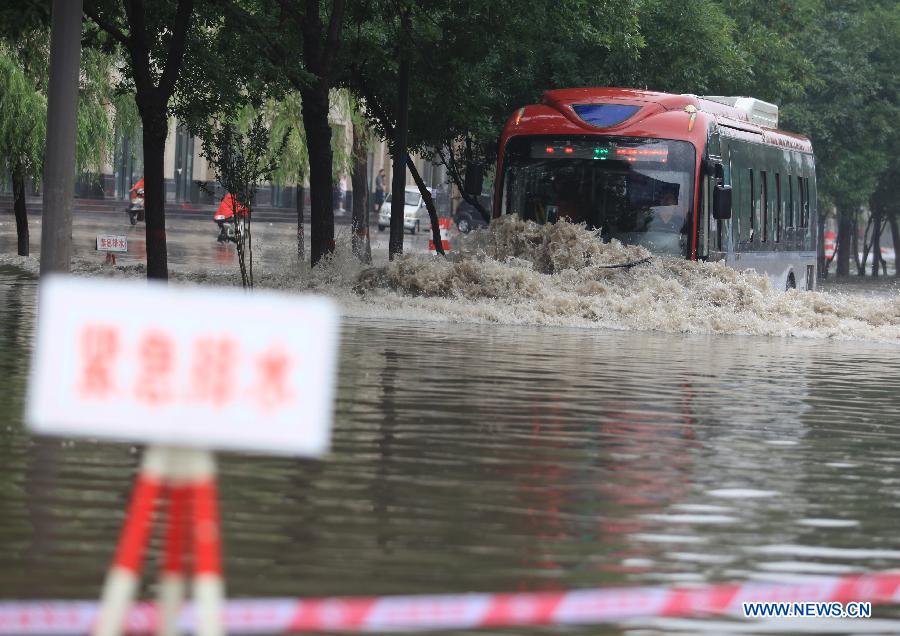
(707, 178)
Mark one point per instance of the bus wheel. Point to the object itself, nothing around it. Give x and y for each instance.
(791, 282)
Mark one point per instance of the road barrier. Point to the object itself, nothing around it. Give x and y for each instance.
(830, 244)
(444, 225)
(459, 611)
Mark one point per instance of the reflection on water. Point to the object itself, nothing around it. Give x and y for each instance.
(508, 458)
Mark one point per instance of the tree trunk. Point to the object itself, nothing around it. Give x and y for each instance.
(156, 128)
(301, 249)
(360, 228)
(18, 184)
(429, 203)
(895, 235)
(62, 115)
(861, 263)
(876, 242)
(318, 144)
(398, 184)
(845, 242)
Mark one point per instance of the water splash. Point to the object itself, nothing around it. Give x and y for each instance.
(517, 272)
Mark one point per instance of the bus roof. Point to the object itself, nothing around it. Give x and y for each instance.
(652, 114)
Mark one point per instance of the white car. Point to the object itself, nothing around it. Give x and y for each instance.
(414, 211)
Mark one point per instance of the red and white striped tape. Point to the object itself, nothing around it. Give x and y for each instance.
(459, 611)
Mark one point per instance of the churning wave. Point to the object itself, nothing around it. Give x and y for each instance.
(516, 272)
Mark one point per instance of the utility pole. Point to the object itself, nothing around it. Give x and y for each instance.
(59, 158)
(398, 185)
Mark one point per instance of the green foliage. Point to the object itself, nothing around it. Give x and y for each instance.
(488, 58)
(850, 106)
(688, 47)
(341, 156)
(769, 38)
(24, 75)
(95, 133)
(242, 154)
(286, 120)
(23, 116)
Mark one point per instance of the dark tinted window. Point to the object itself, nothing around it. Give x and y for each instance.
(633, 189)
(604, 115)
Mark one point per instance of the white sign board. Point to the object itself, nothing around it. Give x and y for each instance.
(112, 243)
(211, 368)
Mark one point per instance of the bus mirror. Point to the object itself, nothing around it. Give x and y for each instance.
(474, 180)
(722, 202)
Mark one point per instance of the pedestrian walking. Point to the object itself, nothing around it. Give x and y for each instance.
(342, 192)
(379, 189)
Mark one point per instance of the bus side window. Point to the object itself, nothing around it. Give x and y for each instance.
(806, 202)
(790, 211)
(802, 202)
(752, 236)
(779, 208)
(764, 198)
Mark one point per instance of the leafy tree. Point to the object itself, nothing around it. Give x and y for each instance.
(297, 46)
(886, 205)
(23, 121)
(243, 156)
(768, 39)
(24, 75)
(154, 38)
(847, 110)
(286, 120)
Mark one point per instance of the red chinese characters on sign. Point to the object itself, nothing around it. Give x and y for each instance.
(156, 363)
(272, 387)
(215, 370)
(112, 243)
(99, 346)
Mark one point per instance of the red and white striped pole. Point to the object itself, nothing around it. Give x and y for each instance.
(172, 586)
(209, 586)
(123, 577)
(187, 480)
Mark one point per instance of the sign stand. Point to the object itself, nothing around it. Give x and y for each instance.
(111, 243)
(184, 479)
(155, 355)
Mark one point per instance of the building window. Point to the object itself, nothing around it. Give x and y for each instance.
(129, 161)
(184, 165)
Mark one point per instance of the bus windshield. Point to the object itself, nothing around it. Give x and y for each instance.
(636, 190)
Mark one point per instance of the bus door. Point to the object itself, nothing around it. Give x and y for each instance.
(713, 239)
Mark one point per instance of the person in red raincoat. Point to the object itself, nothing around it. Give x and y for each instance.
(135, 209)
(228, 206)
(224, 213)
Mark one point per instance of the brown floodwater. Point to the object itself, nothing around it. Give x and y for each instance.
(491, 457)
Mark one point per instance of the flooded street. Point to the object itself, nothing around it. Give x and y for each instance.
(499, 457)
